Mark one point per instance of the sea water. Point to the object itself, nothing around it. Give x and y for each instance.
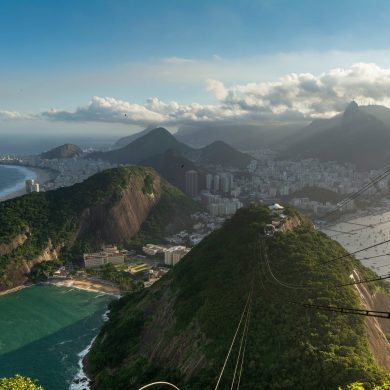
(364, 231)
(44, 329)
(12, 178)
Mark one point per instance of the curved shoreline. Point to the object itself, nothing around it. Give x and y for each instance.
(41, 175)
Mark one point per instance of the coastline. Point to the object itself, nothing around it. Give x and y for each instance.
(40, 174)
(14, 289)
(86, 285)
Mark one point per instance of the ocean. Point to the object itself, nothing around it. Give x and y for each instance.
(12, 178)
(364, 231)
(44, 329)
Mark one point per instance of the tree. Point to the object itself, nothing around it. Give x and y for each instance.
(19, 382)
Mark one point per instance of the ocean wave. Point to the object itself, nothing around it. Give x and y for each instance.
(81, 380)
(105, 316)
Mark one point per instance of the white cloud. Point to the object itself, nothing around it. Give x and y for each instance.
(12, 115)
(107, 109)
(310, 95)
(294, 96)
(218, 88)
(153, 111)
(177, 60)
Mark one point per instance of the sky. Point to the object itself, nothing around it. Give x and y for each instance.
(114, 67)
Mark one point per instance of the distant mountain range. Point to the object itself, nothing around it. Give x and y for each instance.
(63, 151)
(241, 136)
(357, 136)
(360, 135)
(156, 142)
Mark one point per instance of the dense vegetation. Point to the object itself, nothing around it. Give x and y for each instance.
(54, 216)
(171, 214)
(19, 383)
(196, 308)
(124, 280)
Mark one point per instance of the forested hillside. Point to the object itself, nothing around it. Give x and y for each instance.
(181, 328)
(110, 207)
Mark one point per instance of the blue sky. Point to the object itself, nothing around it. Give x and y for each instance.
(60, 54)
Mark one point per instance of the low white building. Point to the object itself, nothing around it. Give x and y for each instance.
(276, 207)
(109, 255)
(152, 250)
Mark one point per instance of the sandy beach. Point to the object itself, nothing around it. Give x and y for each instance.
(12, 290)
(82, 284)
(42, 176)
(88, 285)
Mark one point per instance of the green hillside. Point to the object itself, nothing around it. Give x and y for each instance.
(180, 329)
(80, 217)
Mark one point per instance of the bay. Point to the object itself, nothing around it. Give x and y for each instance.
(44, 328)
(12, 178)
(363, 231)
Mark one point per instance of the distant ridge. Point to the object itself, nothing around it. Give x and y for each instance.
(172, 166)
(122, 142)
(159, 140)
(220, 153)
(63, 151)
(354, 137)
(156, 141)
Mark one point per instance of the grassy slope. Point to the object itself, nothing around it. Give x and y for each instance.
(289, 347)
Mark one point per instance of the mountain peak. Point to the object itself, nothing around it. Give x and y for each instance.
(159, 131)
(63, 151)
(351, 110)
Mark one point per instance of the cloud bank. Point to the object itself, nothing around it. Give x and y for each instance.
(12, 115)
(296, 96)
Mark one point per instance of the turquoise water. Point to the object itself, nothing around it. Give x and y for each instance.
(12, 178)
(44, 328)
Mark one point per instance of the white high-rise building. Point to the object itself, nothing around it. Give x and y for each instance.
(216, 186)
(32, 186)
(29, 184)
(225, 183)
(192, 183)
(174, 254)
(209, 181)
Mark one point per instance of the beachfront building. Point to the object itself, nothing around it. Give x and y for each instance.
(109, 255)
(32, 186)
(174, 254)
